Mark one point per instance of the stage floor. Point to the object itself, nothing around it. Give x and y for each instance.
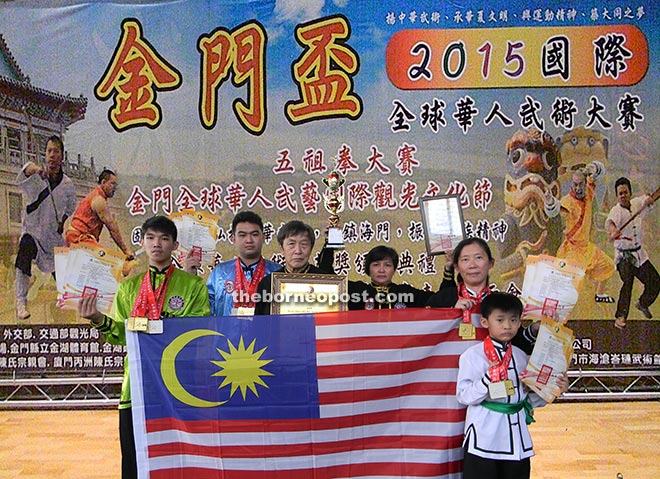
(572, 441)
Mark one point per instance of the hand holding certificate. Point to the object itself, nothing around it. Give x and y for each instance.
(442, 219)
(550, 291)
(86, 269)
(550, 288)
(198, 233)
(308, 293)
(550, 359)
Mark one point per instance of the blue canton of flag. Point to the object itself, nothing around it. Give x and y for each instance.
(216, 369)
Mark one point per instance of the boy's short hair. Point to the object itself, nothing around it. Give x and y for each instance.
(379, 253)
(506, 302)
(160, 224)
(247, 217)
(293, 228)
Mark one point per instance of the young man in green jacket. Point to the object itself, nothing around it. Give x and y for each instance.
(141, 304)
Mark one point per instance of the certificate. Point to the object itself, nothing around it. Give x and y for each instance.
(442, 219)
(550, 288)
(86, 269)
(197, 234)
(550, 358)
(308, 293)
(61, 257)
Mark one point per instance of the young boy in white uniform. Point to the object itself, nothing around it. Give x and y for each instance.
(497, 441)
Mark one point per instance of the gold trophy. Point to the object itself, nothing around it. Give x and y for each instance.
(334, 203)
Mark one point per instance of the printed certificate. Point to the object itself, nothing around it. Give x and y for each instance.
(86, 269)
(61, 257)
(550, 288)
(550, 358)
(197, 234)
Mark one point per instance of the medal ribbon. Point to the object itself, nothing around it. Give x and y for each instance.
(149, 303)
(463, 293)
(242, 287)
(497, 371)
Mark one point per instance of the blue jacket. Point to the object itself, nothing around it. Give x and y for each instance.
(222, 279)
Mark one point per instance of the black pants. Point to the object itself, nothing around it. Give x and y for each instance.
(127, 443)
(647, 274)
(475, 467)
(27, 252)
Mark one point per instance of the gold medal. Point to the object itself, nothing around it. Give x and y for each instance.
(467, 331)
(137, 323)
(508, 385)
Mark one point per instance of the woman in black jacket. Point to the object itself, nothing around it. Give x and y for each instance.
(473, 260)
(380, 292)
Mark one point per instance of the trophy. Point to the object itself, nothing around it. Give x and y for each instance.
(334, 203)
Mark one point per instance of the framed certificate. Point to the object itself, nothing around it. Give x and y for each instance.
(442, 219)
(308, 293)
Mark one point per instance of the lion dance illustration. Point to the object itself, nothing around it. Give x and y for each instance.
(531, 191)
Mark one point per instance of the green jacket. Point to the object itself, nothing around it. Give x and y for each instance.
(186, 295)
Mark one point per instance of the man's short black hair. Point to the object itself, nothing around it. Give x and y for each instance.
(160, 224)
(58, 140)
(379, 253)
(622, 181)
(293, 228)
(247, 217)
(506, 302)
(105, 175)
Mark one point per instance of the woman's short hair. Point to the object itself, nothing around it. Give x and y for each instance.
(469, 241)
(379, 253)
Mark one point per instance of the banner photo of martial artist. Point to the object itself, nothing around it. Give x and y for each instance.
(541, 120)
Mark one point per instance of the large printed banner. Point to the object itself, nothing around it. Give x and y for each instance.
(221, 106)
(332, 395)
(79, 349)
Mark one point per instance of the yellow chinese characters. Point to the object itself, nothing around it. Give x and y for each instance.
(324, 72)
(134, 74)
(244, 51)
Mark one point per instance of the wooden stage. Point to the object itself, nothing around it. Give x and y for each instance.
(572, 441)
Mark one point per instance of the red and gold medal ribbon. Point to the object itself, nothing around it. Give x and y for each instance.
(243, 289)
(149, 303)
(498, 368)
(464, 293)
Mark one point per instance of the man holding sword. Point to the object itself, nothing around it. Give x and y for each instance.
(51, 198)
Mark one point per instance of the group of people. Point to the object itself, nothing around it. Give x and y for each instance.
(497, 442)
(164, 291)
(51, 200)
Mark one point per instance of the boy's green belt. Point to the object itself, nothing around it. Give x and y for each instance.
(512, 408)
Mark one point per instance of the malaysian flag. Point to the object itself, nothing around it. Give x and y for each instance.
(368, 394)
